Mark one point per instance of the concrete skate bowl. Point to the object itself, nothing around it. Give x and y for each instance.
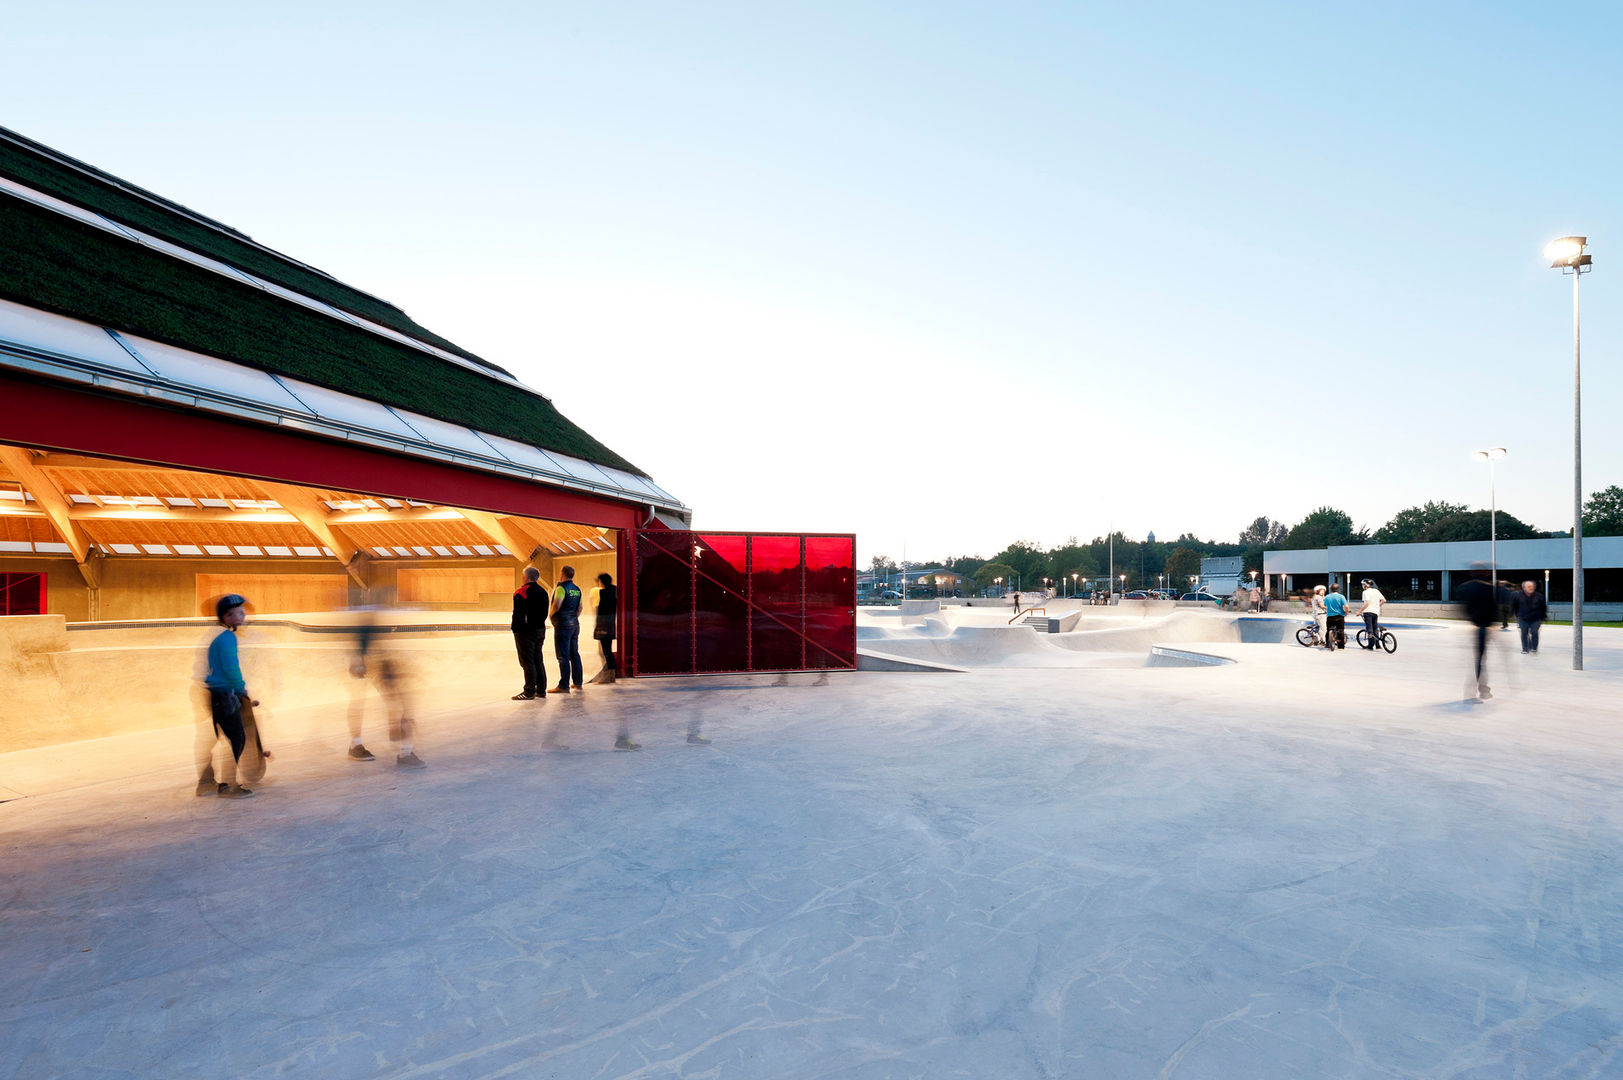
(1165, 641)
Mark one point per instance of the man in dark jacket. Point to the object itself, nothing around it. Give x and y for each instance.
(1482, 608)
(529, 632)
(1531, 612)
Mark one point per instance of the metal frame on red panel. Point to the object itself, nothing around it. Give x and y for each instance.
(633, 613)
(7, 584)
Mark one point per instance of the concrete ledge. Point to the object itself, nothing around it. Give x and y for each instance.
(868, 660)
(1167, 656)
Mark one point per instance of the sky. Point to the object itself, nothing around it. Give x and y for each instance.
(943, 275)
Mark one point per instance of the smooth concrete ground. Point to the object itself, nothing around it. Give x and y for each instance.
(1296, 865)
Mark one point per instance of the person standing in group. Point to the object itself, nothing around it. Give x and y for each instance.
(228, 692)
(565, 612)
(1482, 608)
(603, 630)
(1316, 607)
(1256, 597)
(1335, 618)
(1373, 600)
(529, 626)
(1531, 611)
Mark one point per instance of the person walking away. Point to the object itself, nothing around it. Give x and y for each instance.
(373, 658)
(1531, 611)
(1373, 600)
(565, 612)
(228, 692)
(1256, 597)
(603, 629)
(1017, 603)
(1482, 608)
(529, 625)
(1335, 617)
(1316, 606)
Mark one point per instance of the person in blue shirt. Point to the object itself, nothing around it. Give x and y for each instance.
(228, 692)
(1335, 619)
(565, 612)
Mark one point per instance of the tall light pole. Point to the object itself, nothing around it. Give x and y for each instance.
(1567, 254)
(1490, 456)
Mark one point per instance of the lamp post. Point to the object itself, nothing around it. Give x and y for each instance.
(1567, 255)
(1123, 584)
(1490, 456)
(1073, 586)
(999, 583)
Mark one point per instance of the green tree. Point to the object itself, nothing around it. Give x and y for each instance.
(1603, 513)
(1324, 527)
(881, 564)
(1407, 525)
(1183, 563)
(986, 576)
(1264, 532)
(1027, 560)
(1474, 525)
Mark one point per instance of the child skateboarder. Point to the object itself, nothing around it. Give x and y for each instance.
(228, 694)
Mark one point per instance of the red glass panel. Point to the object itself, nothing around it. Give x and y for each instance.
(716, 602)
(831, 602)
(776, 625)
(22, 594)
(720, 603)
(664, 598)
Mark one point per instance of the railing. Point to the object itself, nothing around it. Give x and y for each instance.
(1028, 611)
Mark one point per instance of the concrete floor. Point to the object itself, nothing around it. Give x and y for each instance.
(1295, 865)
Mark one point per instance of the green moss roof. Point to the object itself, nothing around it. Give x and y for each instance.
(73, 181)
(54, 262)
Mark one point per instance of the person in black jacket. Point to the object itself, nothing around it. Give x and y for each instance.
(529, 632)
(604, 630)
(1531, 611)
(1482, 608)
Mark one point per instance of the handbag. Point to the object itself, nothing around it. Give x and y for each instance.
(603, 633)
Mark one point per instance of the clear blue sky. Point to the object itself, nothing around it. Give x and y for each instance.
(944, 275)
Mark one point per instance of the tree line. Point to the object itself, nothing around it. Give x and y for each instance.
(1148, 563)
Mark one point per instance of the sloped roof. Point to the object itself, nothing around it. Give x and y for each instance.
(84, 266)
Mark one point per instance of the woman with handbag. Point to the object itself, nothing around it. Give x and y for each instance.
(608, 606)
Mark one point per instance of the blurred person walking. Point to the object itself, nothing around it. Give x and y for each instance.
(373, 658)
(1531, 611)
(603, 630)
(228, 694)
(1373, 600)
(529, 626)
(1335, 618)
(565, 612)
(1482, 608)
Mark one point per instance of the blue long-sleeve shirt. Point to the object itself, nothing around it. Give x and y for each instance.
(225, 673)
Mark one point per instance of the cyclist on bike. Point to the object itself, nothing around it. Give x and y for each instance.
(1373, 599)
(1335, 618)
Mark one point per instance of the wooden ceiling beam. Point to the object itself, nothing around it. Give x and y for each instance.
(501, 531)
(49, 498)
(312, 513)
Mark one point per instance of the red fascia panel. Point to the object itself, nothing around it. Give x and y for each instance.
(65, 418)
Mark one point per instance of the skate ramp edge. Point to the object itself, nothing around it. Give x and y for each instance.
(1167, 656)
(868, 660)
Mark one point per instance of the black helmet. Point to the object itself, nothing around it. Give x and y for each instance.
(1368, 583)
(226, 603)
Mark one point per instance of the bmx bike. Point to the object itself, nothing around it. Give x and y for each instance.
(1389, 641)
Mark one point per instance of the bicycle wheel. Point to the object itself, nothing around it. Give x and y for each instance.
(1389, 641)
(1363, 638)
(1306, 638)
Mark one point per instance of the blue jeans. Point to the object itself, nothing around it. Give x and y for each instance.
(1529, 635)
(566, 644)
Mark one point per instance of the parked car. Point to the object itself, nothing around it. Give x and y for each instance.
(889, 594)
(1188, 596)
(1136, 594)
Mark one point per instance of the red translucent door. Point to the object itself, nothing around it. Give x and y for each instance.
(731, 602)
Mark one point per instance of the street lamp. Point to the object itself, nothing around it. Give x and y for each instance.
(1567, 255)
(1123, 585)
(1490, 456)
(999, 583)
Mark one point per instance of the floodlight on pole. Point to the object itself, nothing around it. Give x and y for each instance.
(1490, 456)
(1567, 255)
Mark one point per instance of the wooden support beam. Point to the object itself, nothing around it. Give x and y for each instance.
(501, 531)
(313, 515)
(49, 498)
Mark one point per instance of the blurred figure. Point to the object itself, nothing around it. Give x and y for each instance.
(1373, 600)
(375, 659)
(565, 612)
(1482, 608)
(1256, 597)
(529, 625)
(608, 606)
(228, 692)
(1017, 603)
(1315, 605)
(1531, 611)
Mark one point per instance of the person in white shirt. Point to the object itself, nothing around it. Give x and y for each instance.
(1316, 606)
(1373, 600)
